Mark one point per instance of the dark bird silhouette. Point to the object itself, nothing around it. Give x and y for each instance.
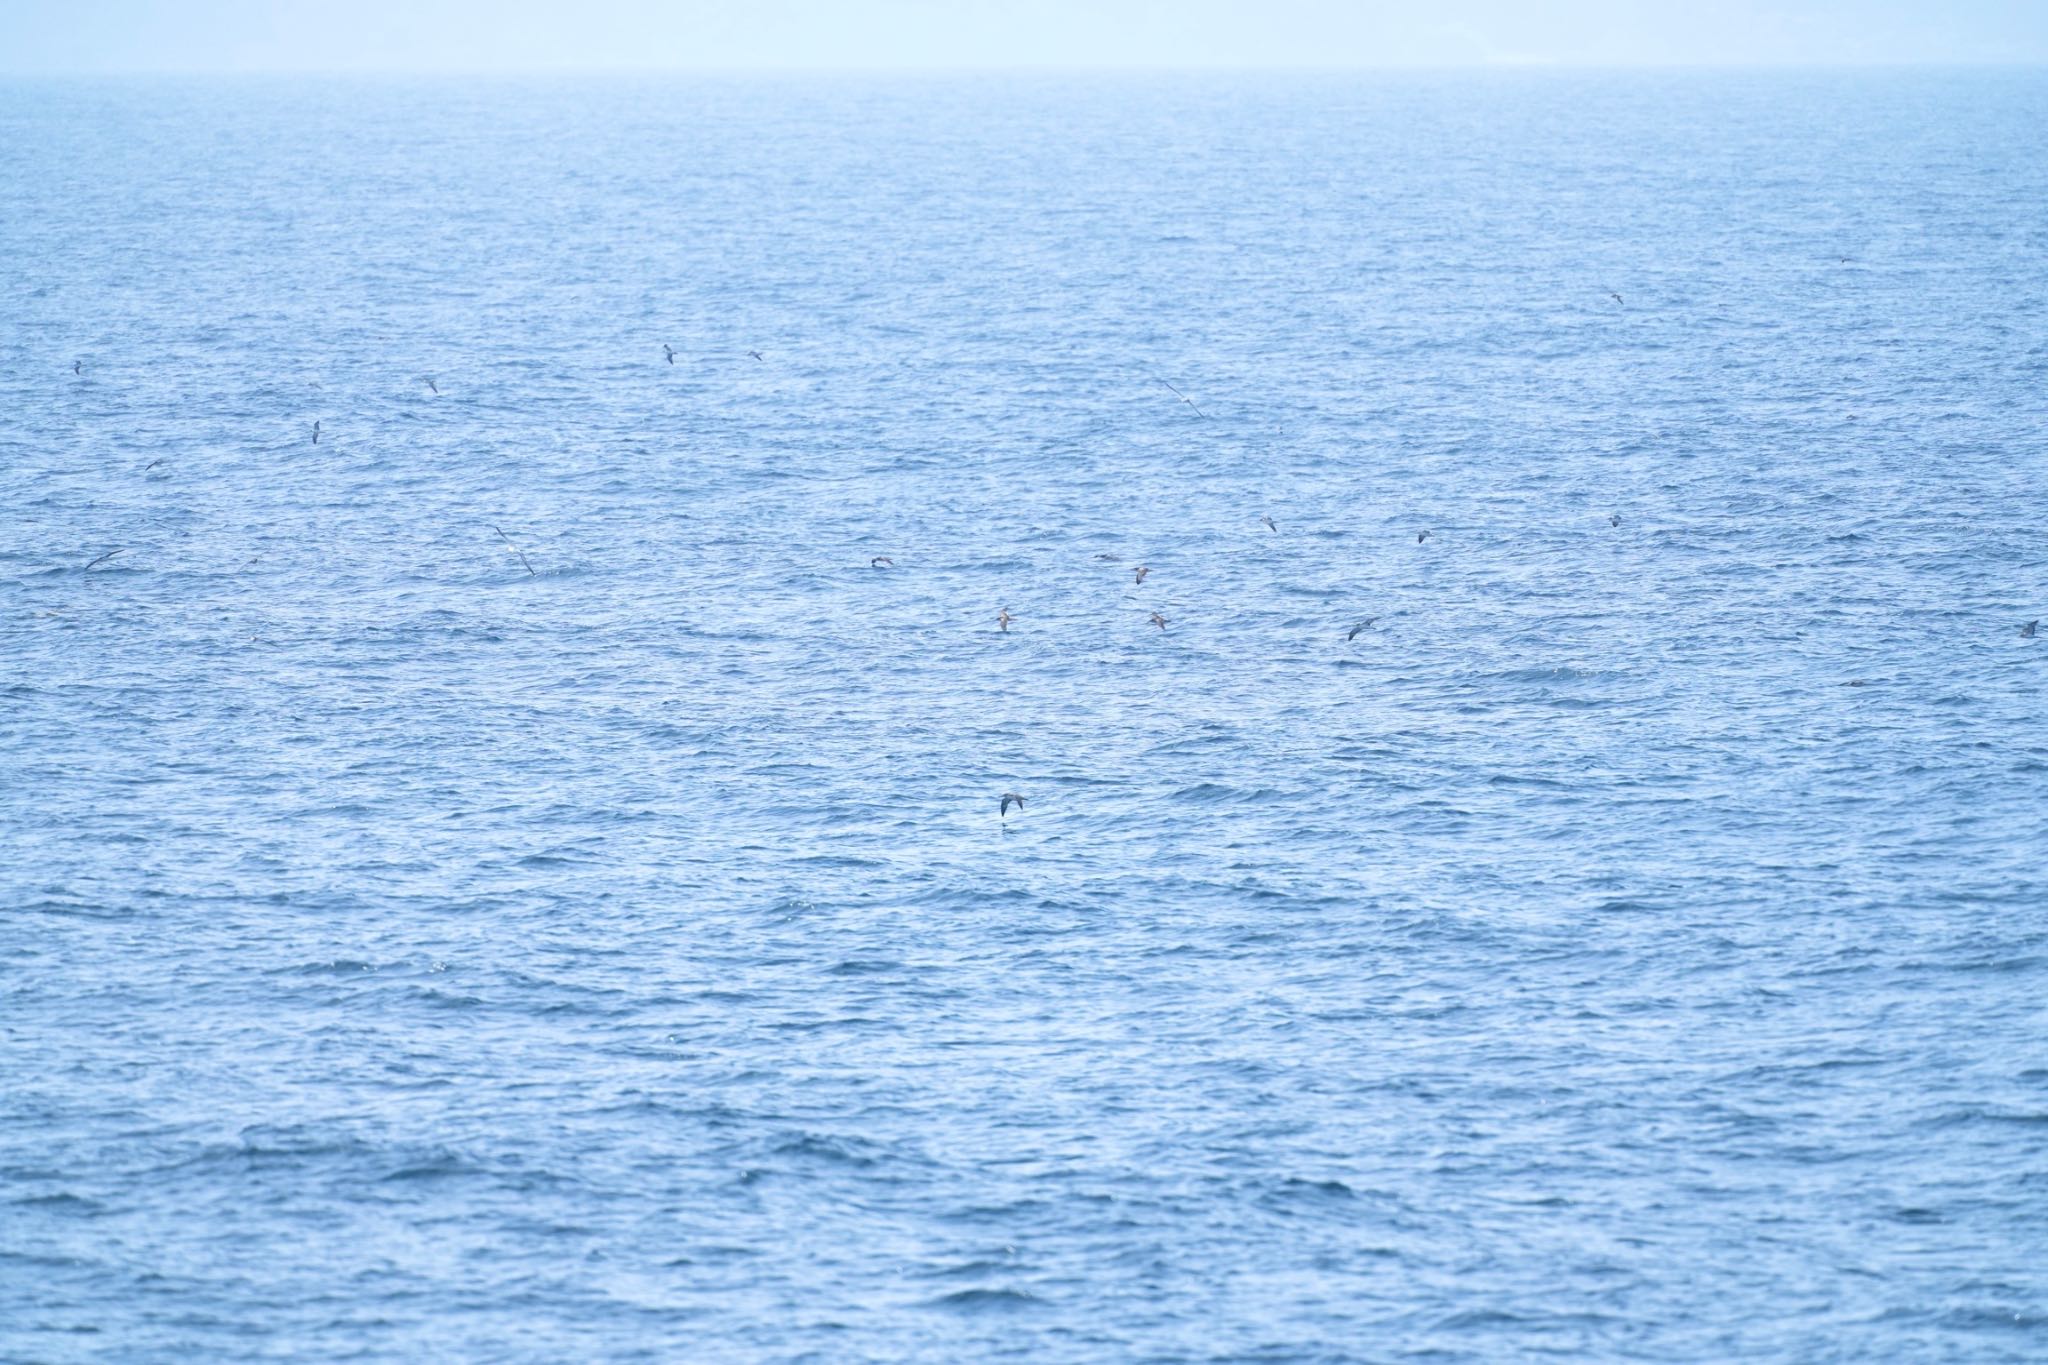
(1613, 519)
(1184, 398)
(1269, 523)
(1110, 558)
(1158, 620)
(1421, 536)
(2027, 631)
(1612, 295)
(152, 464)
(1856, 682)
(669, 351)
(1360, 626)
(757, 355)
(517, 551)
(104, 558)
(881, 562)
(1139, 577)
(316, 433)
(77, 367)
(1003, 619)
(1010, 798)
(432, 385)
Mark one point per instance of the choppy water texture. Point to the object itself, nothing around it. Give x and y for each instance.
(409, 956)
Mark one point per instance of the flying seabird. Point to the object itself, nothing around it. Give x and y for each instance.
(77, 367)
(1008, 798)
(316, 433)
(2027, 631)
(517, 551)
(1612, 295)
(1360, 626)
(432, 385)
(669, 351)
(1140, 576)
(881, 561)
(104, 558)
(1003, 619)
(152, 464)
(1613, 519)
(1269, 523)
(1183, 398)
(757, 355)
(1158, 620)
(1421, 536)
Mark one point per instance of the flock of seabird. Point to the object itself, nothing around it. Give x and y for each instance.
(1003, 616)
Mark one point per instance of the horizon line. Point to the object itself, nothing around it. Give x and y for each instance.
(1515, 64)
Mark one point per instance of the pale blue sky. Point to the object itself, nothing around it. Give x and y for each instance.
(514, 35)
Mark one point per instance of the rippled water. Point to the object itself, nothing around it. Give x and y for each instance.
(1633, 944)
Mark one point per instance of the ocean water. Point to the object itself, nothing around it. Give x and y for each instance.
(515, 881)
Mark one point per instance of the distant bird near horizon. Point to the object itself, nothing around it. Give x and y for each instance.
(669, 351)
(78, 367)
(1269, 523)
(2028, 631)
(1421, 536)
(152, 464)
(1139, 576)
(1184, 398)
(881, 561)
(104, 558)
(1158, 620)
(1003, 619)
(1612, 295)
(517, 551)
(757, 355)
(316, 433)
(432, 385)
(1360, 626)
(1008, 799)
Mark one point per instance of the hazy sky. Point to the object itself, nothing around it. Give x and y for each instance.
(491, 35)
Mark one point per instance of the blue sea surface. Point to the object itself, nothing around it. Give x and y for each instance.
(515, 880)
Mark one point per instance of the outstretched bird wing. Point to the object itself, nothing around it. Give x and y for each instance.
(1183, 397)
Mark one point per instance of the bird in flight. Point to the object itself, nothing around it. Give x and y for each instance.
(1008, 799)
(1421, 536)
(1613, 519)
(1612, 295)
(77, 367)
(1158, 620)
(432, 385)
(1269, 523)
(669, 351)
(1139, 577)
(2027, 631)
(104, 558)
(316, 433)
(757, 355)
(1003, 619)
(152, 464)
(1184, 398)
(1110, 558)
(517, 551)
(881, 562)
(1361, 626)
